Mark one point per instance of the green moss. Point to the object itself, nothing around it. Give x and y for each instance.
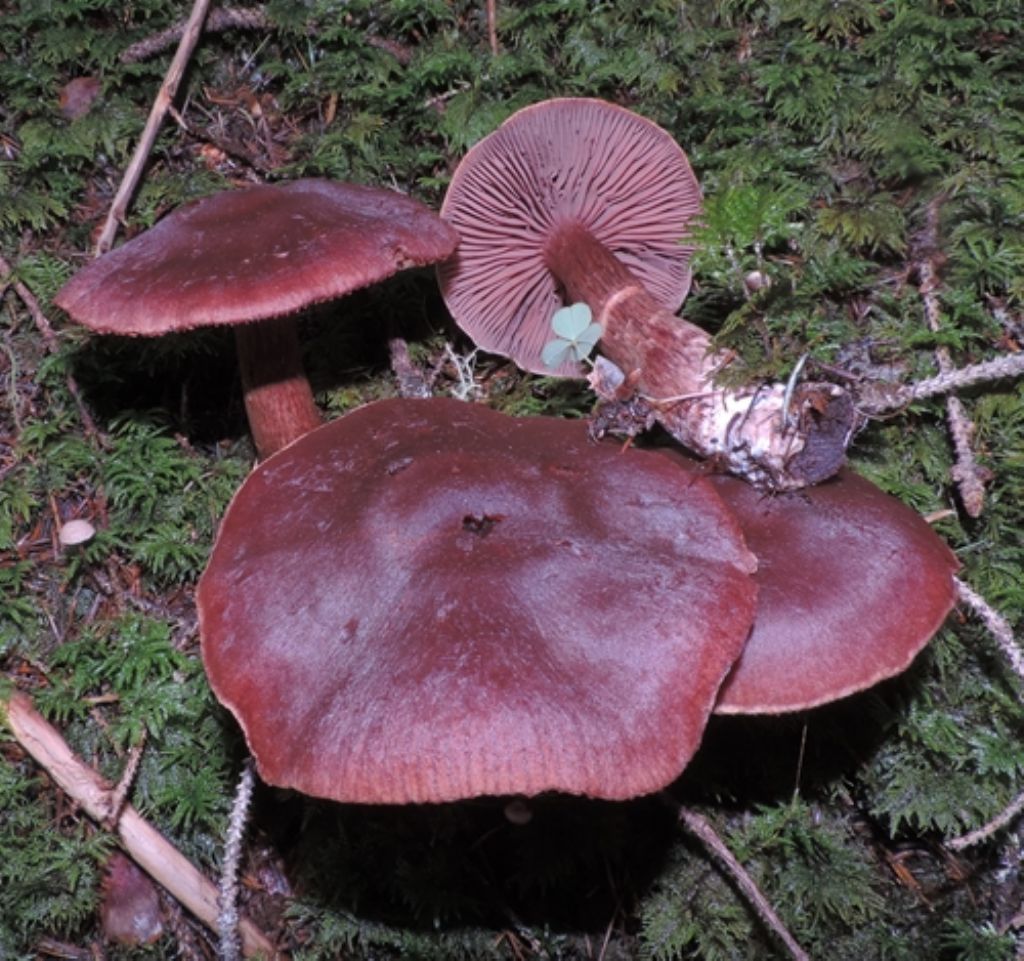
(822, 133)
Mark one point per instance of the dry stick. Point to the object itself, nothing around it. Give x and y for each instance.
(966, 472)
(701, 829)
(50, 340)
(492, 25)
(1000, 821)
(164, 98)
(146, 846)
(238, 18)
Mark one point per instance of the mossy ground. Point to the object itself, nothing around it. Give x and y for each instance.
(823, 133)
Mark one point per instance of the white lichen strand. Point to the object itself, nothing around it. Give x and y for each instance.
(228, 917)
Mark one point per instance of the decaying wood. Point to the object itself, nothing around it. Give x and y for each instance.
(777, 436)
(149, 849)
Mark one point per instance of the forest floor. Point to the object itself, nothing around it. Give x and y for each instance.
(867, 158)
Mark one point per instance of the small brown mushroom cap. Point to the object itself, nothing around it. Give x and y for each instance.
(427, 600)
(255, 253)
(852, 584)
(561, 162)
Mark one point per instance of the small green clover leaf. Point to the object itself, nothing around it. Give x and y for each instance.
(575, 336)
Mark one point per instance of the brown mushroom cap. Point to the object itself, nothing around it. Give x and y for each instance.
(427, 600)
(254, 253)
(563, 161)
(852, 584)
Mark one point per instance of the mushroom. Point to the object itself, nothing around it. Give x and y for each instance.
(852, 584)
(579, 200)
(130, 909)
(427, 600)
(253, 258)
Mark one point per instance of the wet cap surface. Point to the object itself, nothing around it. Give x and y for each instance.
(852, 584)
(428, 600)
(255, 253)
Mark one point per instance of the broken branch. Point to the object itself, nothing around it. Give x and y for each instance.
(144, 844)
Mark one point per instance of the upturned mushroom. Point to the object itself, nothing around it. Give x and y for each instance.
(852, 585)
(253, 258)
(579, 200)
(427, 600)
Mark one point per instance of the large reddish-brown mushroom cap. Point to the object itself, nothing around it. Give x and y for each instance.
(255, 253)
(852, 584)
(561, 162)
(428, 600)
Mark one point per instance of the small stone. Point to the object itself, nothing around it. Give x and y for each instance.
(76, 531)
(757, 280)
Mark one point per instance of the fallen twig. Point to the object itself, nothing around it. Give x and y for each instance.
(966, 473)
(492, 26)
(883, 397)
(142, 842)
(119, 795)
(999, 368)
(45, 328)
(239, 18)
(1004, 818)
(164, 98)
(702, 830)
(226, 18)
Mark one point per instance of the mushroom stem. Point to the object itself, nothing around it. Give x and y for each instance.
(278, 399)
(772, 435)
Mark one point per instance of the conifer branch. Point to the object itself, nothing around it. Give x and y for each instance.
(998, 626)
(146, 846)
